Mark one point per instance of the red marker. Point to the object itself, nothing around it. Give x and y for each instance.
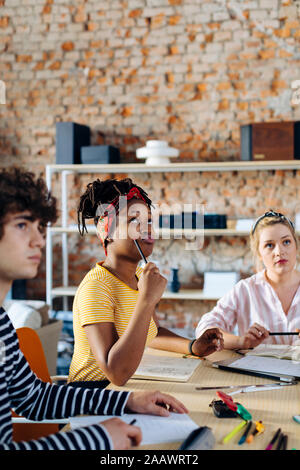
(227, 400)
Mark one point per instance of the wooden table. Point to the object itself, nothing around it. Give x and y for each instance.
(274, 407)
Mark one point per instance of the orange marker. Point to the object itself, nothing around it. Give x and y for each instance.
(259, 428)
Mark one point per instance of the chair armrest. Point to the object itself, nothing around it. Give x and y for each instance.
(21, 420)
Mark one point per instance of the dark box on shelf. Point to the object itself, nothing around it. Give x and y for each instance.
(215, 221)
(192, 220)
(70, 137)
(270, 141)
(100, 154)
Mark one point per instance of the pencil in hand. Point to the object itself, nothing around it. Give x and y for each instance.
(140, 251)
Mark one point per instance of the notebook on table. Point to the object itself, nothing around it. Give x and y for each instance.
(269, 367)
(155, 429)
(171, 369)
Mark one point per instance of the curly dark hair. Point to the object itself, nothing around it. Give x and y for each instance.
(103, 192)
(21, 190)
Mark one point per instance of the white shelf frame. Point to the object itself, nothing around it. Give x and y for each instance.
(176, 233)
(183, 294)
(66, 291)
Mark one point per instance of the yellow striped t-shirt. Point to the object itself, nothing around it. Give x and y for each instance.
(101, 297)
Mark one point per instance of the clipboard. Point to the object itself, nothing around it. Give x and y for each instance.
(268, 367)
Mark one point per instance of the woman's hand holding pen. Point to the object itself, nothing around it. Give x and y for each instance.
(209, 342)
(123, 435)
(151, 284)
(253, 337)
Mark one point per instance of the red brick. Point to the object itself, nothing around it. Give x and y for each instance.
(55, 65)
(135, 13)
(4, 21)
(173, 20)
(68, 46)
(24, 58)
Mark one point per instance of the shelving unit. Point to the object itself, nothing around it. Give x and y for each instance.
(183, 294)
(64, 230)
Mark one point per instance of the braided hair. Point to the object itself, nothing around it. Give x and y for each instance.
(103, 192)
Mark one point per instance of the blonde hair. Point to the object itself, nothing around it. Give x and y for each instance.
(256, 232)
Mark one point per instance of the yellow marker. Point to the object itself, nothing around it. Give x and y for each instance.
(234, 432)
(259, 428)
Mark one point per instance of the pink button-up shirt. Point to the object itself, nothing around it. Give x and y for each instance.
(253, 300)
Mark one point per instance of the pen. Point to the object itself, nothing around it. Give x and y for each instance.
(140, 251)
(221, 387)
(132, 422)
(247, 387)
(270, 445)
(284, 442)
(191, 356)
(280, 442)
(234, 431)
(244, 436)
(257, 388)
(289, 333)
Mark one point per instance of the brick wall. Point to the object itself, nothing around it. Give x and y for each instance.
(189, 72)
(186, 71)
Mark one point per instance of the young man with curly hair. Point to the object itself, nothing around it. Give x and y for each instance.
(25, 209)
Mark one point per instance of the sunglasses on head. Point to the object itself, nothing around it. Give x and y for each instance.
(272, 213)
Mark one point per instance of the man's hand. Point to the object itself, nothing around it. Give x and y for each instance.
(123, 435)
(154, 403)
(209, 342)
(253, 337)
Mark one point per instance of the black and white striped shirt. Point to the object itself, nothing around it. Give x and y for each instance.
(22, 391)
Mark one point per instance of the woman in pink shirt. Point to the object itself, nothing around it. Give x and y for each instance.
(268, 301)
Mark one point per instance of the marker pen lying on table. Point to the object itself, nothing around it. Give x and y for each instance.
(234, 431)
(247, 388)
(272, 442)
(244, 436)
(140, 251)
(259, 428)
(282, 442)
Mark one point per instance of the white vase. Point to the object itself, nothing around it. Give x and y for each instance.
(157, 152)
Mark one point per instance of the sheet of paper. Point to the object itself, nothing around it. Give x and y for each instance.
(166, 368)
(268, 364)
(155, 429)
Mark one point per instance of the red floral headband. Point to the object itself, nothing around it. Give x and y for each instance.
(105, 221)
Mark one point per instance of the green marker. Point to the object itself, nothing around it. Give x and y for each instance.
(244, 414)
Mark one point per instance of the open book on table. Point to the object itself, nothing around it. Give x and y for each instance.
(280, 351)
